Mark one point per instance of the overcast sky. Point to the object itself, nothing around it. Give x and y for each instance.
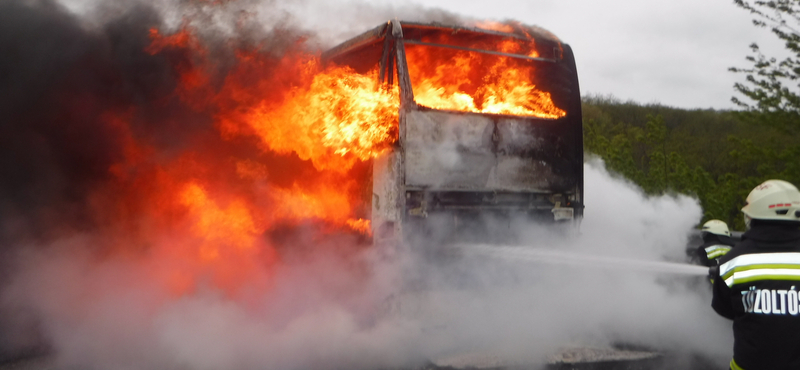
(676, 53)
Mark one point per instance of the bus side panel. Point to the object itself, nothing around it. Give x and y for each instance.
(534, 155)
(456, 151)
(448, 150)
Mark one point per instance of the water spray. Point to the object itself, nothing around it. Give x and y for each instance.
(527, 254)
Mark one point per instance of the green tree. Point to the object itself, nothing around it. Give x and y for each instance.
(771, 88)
(667, 150)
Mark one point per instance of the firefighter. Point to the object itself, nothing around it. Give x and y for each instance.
(716, 243)
(757, 283)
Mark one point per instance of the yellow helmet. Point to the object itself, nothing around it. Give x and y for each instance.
(773, 200)
(716, 227)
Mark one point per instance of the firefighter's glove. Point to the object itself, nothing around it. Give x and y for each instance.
(713, 272)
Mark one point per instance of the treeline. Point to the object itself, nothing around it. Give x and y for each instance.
(717, 156)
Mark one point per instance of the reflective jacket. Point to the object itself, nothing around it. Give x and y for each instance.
(713, 248)
(757, 287)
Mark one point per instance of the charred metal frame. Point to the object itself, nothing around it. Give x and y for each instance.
(414, 42)
(539, 174)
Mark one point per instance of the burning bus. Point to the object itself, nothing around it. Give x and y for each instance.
(489, 124)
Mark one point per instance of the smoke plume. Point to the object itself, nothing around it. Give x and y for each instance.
(145, 223)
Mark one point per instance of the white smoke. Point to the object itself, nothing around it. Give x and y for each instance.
(523, 311)
(315, 311)
(363, 309)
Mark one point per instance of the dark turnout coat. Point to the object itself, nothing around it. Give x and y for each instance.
(713, 248)
(757, 286)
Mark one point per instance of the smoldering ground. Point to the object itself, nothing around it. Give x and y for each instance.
(90, 272)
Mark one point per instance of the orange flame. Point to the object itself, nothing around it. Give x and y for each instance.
(362, 225)
(494, 26)
(287, 146)
(230, 227)
(290, 142)
(332, 117)
(475, 82)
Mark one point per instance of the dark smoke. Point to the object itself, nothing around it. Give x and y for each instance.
(58, 78)
(62, 79)
(62, 76)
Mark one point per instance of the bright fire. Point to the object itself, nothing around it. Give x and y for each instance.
(280, 141)
(288, 143)
(495, 26)
(333, 118)
(229, 227)
(469, 81)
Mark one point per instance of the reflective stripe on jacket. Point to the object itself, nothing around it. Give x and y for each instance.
(758, 287)
(717, 251)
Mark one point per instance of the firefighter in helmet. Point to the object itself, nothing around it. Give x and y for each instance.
(757, 283)
(716, 243)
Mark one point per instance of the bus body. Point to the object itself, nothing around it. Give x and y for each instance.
(449, 169)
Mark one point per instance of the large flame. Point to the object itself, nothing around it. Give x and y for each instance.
(333, 117)
(472, 81)
(288, 141)
(290, 144)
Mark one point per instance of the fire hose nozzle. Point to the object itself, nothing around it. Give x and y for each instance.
(713, 272)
